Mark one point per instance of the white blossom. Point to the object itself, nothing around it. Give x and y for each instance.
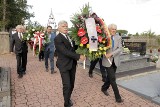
(29, 35)
(33, 29)
(27, 38)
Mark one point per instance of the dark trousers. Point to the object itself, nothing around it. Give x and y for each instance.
(21, 62)
(41, 55)
(49, 55)
(68, 79)
(111, 80)
(93, 64)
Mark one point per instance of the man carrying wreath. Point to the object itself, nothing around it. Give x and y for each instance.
(49, 50)
(67, 61)
(111, 61)
(21, 50)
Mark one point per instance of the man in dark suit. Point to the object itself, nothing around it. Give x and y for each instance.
(111, 61)
(21, 50)
(67, 61)
(49, 50)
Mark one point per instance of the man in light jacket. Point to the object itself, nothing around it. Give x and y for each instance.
(111, 61)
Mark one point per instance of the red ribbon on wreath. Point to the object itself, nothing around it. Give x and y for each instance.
(41, 37)
(106, 31)
(38, 39)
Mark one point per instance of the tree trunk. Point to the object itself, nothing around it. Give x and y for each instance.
(4, 15)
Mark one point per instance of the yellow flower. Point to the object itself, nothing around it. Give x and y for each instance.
(105, 48)
(103, 41)
(100, 53)
(87, 45)
(100, 48)
(81, 45)
(104, 52)
(90, 51)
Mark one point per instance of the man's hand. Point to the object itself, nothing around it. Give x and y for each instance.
(108, 55)
(82, 58)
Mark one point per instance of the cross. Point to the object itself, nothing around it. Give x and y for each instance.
(93, 39)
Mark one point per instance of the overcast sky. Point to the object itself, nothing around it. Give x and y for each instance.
(132, 15)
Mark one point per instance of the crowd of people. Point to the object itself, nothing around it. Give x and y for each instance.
(63, 48)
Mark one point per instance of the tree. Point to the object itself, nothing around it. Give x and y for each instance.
(137, 34)
(122, 32)
(148, 33)
(130, 34)
(16, 12)
(3, 14)
(31, 25)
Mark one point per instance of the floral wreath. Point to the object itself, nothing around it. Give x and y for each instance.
(78, 33)
(36, 39)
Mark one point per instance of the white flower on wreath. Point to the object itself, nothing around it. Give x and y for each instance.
(33, 29)
(28, 38)
(29, 35)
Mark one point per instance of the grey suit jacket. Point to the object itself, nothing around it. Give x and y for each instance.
(115, 52)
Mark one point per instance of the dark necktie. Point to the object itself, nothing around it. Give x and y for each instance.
(112, 42)
(69, 40)
(20, 36)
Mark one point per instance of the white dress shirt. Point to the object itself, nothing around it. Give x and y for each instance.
(20, 34)
(68, 38)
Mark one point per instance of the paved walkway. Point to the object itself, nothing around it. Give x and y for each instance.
(41, 89)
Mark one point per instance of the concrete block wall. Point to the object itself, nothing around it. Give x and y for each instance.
(4, 43)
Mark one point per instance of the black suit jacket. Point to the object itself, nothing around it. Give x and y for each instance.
(20, 46)
(65, 52)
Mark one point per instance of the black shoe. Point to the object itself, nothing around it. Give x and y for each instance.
(105, 92)
(40, 60)
(20, 75)
(52, 72)
(68, 106)
(24, 73)
(103, 79)
(70, 103)
(119, 100)
(91, 75)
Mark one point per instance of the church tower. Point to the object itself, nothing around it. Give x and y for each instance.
(51, 21)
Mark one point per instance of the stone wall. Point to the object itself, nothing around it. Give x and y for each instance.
(4, 43)
(152, 42)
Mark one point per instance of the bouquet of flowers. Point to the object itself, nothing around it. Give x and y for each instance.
(79, 33)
